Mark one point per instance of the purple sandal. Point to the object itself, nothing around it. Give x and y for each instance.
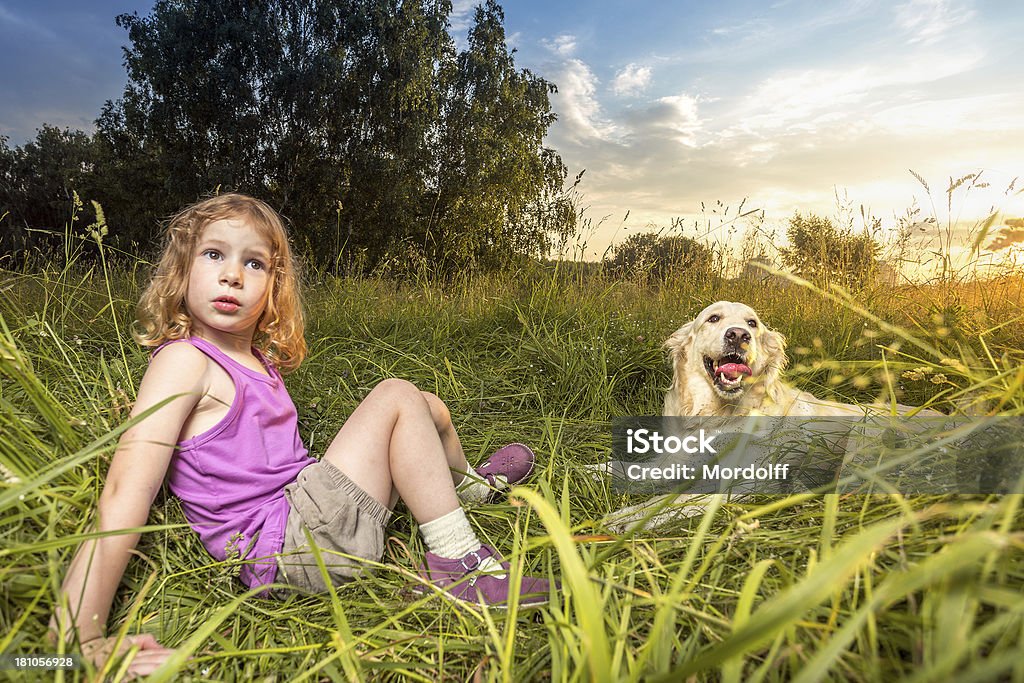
(463, 580)
(514, 462)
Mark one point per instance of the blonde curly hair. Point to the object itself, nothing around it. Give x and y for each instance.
(162, 314)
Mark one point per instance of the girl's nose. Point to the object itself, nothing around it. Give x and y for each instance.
(231, 274)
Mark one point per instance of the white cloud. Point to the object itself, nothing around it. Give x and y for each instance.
(631, 80)
(744, 30)
(955, 114)
(462, 15)
(562, 45)
(815, 98)
(674, 118)
(795, 100)
(579, 113)
(928, 21)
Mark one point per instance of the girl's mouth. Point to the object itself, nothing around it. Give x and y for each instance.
(226, 304)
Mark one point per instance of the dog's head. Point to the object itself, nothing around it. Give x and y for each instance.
(728, 347)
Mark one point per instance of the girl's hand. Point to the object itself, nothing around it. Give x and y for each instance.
(148, 659)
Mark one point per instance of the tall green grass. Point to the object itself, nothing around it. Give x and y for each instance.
(803, 587)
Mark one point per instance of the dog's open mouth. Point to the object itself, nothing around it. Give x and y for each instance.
(727, 372)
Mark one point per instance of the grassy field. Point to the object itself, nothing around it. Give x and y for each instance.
(800, 588)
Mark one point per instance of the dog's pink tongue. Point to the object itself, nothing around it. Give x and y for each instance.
(733, 370)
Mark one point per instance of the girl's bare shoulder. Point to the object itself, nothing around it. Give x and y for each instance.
(176, 369)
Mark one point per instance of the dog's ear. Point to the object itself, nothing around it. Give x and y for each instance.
(773, 346)
(677, 400)
(679, 344)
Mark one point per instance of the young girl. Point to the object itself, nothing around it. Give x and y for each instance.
(223, 316)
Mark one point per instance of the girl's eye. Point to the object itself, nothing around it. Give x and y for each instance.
(256, 265)
(714, 318)
(212, 254)
(752, 323)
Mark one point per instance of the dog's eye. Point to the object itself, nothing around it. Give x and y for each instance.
(752, 323)
(714, 318)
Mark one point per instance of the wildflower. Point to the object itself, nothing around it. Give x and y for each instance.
(954, 363)
(913, 375)
(939, 378)
(924, 370)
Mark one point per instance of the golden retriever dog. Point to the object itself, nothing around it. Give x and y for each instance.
(727, 362)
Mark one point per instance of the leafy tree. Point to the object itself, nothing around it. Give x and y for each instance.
(231, 95)
(652, 257)
(38, 181)
(355, 118)
(390, 154)
(498, 189)
(825, 255)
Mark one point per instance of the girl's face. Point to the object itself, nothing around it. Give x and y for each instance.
(228, 282)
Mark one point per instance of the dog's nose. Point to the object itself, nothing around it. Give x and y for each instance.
(737, 335)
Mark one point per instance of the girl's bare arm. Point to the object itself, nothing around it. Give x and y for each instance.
(136, 473)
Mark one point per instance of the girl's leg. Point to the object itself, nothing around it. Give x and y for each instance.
(507, 466)
(399, 443)
(449, 439)
(391, 446)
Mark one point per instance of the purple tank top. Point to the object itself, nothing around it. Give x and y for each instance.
(231, 478)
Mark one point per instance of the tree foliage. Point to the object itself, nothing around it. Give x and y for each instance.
(651, 257)
(824, 254)
(358, 119)
(37, 184)
(495, 119)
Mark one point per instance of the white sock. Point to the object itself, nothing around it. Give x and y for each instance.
(475, 489)
(452, 537)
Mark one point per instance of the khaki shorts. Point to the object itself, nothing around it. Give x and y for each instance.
(341, 518)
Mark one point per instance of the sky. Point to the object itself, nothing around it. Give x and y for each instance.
(670, 106)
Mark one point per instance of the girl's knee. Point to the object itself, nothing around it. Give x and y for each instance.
(402, 394)
(438, 411)
(397, 390)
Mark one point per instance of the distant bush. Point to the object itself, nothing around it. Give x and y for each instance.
(650, 257)
(824, 254)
